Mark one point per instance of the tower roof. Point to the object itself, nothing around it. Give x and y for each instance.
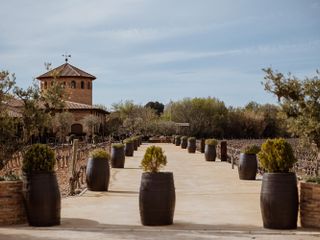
(66, 70)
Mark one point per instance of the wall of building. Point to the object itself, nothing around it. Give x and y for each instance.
(77, 89)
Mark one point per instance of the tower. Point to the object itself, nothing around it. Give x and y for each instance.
(78, 83)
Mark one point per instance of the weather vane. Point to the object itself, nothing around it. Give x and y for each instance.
(67, 56)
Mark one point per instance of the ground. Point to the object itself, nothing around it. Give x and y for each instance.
(211, 203)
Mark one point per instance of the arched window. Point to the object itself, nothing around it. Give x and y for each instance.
(45, 85)
(73, 84)
(89, 85)
(82, 84)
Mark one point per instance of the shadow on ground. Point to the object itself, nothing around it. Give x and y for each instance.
(88, 229)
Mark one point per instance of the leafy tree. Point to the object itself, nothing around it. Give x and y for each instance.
(158, 107)
(91, 123)
(300, 102)
(61, 125)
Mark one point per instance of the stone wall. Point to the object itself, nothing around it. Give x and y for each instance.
(12, 209)
(310, 204)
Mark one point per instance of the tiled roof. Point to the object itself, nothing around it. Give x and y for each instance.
(66, 70)
(75, 106)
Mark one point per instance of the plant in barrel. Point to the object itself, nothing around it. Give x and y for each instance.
(98, 170)
(192, 145)
(248, 164)
(279, 193)
(129, 147)
(40, 187)
(210, 151)
(157, 192)
(117, 155)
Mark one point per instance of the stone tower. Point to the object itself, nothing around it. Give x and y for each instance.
(78, 83)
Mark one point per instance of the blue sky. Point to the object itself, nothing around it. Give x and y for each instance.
(164, 50)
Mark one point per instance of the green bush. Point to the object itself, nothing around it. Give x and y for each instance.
(153, 159)
(38, 158)
(211, 142)
(128, 140)
(250, 149)
(184, 138)
(192, 139)
(118, 145)
(99, 153)
(178, 137)
(313, 180)
(276, 155)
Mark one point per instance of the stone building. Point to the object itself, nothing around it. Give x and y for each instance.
(78, 96)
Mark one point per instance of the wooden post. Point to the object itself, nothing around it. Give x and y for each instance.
(232, 162)
(72, 168)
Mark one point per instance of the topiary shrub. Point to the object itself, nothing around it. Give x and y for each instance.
(276, 155)
(153, 159)
(184, 138)
(211, 142)
(38, 158)
(192, 139)
(250, 149)
(118, 145)
(99, 153)
(128, 140)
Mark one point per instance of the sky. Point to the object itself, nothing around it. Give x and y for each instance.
(164, 50)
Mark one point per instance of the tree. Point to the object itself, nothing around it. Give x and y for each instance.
(158, 107)
(61, 125)
(90, 122)
(300, 102)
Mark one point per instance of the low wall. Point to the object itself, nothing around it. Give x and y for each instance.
(12, 209)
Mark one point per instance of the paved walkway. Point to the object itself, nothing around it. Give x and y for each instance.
(211, 203)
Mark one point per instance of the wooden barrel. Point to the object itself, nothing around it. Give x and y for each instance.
(223, 151)
(279, 200)
(178, 141)
(210, 152)
(98, 174)
(135, 144)
(157, 198)
(184, 143)
(117, 157)
(129, 149)
(192, 146)
(248, 166)
(42, 198)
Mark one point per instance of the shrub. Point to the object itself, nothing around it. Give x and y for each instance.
(38, 158)
(128, 140)
(192, 139)
(99, 153)
(178, 137)
(117, 145)
(184, 138)
(250, 149)
(313, 180)
(153, 159)
(276, 155)
(211, 142)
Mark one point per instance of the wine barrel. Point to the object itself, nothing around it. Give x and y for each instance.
(223, 151)
(135, 144)
(191, 146)
(117, 157)
(210, 152)
(248, 166)
(279, 200)
(184, 142)
(42, 199)
(129, 149)
(157, 199)
(178, 141)
(98, 174)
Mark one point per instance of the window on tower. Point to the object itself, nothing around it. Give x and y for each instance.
(89, 85)
(73, 84)
(45, 85)
(82, 84)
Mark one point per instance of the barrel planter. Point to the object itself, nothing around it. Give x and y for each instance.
(279, 200)
(42, 199)
(173, 139)
(223, 151)
(184, 142)
(135, 144)
(129, 149)
(310, 205)
(98, 174)
(157, 198)
(117, 156)
(248, 166)
(210, 152)
(191, 145)
(200, 145)
(177, 140)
